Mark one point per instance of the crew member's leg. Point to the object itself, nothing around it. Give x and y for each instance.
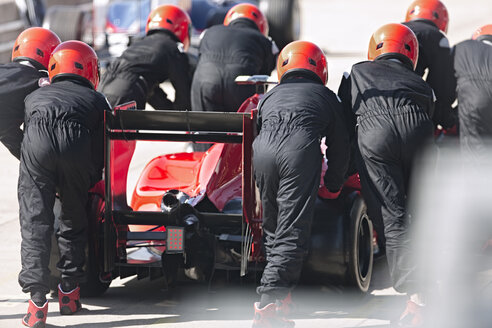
(74, 181)
(36, 192)
(299, 172)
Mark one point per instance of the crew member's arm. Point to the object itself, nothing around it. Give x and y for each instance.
(11, 133)
(11, 136)
(350, 119)
(157, 98)
(345, 97)
(337, 152)
(442, 80)
(180, 79)
(269, 63)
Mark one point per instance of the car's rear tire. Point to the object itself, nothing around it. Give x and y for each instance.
(96, 283)
(284, 20)
(360, 247)
(65, 21)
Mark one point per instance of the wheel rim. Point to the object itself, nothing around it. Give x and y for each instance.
(296, 21)
(364, 251)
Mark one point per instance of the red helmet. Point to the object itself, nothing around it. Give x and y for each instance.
(433, 10)
(484, 32)
(173, 19)
(302, 55)
(35, 44)
(74, 58)
(249, 11)
(394, 40)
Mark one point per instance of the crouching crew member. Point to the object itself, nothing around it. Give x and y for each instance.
(392, 106)
(293, 117)
(428, 19)
(26, 72)
(62, 152)
(239, 47)
(473, 70)
(159, 56)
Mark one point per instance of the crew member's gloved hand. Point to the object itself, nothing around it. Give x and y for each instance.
(487, 246)
(43, 82)
(324, 193)
(452, 131)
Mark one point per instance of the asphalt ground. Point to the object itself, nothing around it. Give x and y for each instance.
(342, 29)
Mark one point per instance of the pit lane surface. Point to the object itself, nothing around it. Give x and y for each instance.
(343, 29)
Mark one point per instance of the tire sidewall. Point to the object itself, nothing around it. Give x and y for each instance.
(359, 220)
(94, 286)
(282, 15)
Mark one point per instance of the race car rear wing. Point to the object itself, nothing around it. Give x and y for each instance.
(176, 126)
(123, 127)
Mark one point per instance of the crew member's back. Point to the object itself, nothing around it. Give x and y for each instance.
(239, 47)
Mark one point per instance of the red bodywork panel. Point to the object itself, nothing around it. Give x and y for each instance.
(163, 173)
(121, 155)
(216, 173)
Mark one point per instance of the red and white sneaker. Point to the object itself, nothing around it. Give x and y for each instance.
(36, 316)
(285, 306)
(412, 316)
(69, 302)
(269, 317)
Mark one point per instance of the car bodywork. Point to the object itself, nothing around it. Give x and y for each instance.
(212, 199)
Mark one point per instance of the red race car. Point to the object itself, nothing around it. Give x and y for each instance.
(200, 211)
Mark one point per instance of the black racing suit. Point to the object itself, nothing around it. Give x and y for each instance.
(16, 82)
(145, 64)
(391, 105)
(435, 55)
(473, 71)
(293, 117)
(225, 53)
(62, 151)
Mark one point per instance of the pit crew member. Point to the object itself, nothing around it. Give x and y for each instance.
(160, 55)
(473, 71)
(391, 106)
(62, 152)
(293, 117)
(27, 71)
(239, 47)
(428, 19)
